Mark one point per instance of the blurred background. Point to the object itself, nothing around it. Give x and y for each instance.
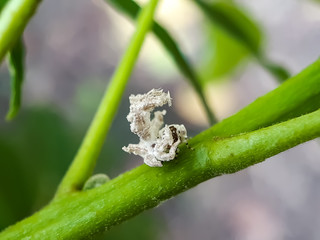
(73, 48)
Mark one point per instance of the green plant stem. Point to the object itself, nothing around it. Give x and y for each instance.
(296, 96)
(80, 215)
(85, 160)
(13, 19)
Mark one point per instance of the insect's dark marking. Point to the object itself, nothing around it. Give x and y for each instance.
(153, 145)
(168, 147)
(174, 133)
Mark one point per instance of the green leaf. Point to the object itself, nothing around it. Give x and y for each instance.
(222, 54)
(229, 18)
(16, 67)
(131, 9)
(276, 70)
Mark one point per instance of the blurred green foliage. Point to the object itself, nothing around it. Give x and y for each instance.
(35, 151)
(231, 37)
(2, 4)
(229, 17)
(234, 36)
(221, 56)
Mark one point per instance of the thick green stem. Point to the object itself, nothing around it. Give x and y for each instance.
(13, 19)
(296, 96)
(85, 160)
(82, 214)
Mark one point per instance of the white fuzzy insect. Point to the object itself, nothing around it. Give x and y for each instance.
(156, 144)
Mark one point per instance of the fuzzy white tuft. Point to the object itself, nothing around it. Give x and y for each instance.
(156, 144)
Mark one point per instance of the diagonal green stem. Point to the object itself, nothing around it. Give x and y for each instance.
(81, 215)
(13, 19)
(296, 96)
(85, 160)
(131, 9)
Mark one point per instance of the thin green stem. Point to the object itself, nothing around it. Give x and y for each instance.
(277, 71)
(82, 214)
(131, 8)
(13, 19)
(85, 160)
